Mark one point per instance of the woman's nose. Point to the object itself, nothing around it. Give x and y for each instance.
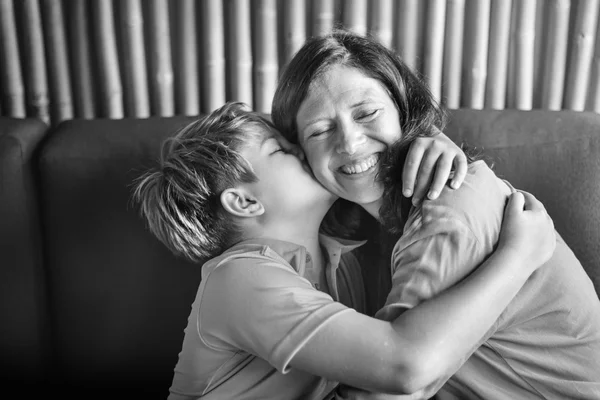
(350, 138)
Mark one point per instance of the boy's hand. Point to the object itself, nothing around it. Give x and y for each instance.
(527, 230)
(425, 154)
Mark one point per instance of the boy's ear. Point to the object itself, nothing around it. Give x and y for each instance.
(241, 203)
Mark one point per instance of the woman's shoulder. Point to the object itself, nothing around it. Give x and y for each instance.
(480, 199)
(480, 190)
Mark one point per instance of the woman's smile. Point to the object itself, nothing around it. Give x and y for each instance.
(360, 166)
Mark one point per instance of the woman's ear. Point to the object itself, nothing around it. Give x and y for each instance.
(241, 203)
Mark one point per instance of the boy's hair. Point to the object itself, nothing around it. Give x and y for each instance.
(180, 198)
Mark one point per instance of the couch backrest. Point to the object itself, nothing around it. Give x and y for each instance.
(119, 299)
(553, 154)
(22, 296)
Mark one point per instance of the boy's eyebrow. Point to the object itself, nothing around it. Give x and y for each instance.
(266, 139)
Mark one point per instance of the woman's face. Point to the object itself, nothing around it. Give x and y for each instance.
(346, 121)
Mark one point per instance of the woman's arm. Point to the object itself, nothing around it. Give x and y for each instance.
(427, 341)
(428, 166)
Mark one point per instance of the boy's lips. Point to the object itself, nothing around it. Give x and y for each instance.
(308, 169)
(361, 165)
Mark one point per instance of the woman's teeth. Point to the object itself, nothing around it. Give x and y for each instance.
(360, 165)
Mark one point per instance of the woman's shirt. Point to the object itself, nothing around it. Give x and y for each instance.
(546, 344)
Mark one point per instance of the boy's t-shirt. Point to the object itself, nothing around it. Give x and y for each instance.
(546, 344)
(256, 306)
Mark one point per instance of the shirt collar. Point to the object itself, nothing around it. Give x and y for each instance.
(294, 254)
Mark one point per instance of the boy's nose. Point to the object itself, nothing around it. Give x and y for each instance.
(297, 151)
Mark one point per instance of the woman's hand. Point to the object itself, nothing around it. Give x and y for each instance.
(429, 163)
(527, 230)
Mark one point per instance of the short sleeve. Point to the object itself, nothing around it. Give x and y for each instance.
(427, 260)
(264, 308)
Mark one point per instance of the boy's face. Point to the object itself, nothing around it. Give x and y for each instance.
(285, 182)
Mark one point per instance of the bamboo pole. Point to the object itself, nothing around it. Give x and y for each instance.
(213, 60)
(495, 92)
(108, 62)
(555, 59)
(266, 67)
(61, 102)
(453, 45)
(408, 33)
(434, 46)
(380, 21)
(538, 52)
(580, 58)
(521, 94)
(161, 69)
(133, 56)
(593, 96)
(323, 16)
(34, 61)
(84, 98)
(476, 52)
(294, 27)
(239, 52)
(355, 16)
(186, 80)
(11, 79)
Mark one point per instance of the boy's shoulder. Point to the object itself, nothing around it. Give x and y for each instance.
(255, 252)
(278, 253)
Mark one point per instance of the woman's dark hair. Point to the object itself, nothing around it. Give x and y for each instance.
(420, 114)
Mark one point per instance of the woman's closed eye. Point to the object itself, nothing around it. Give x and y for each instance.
(368, 115)
(320, 133)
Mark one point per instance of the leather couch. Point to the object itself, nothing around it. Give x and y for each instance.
(91, 305)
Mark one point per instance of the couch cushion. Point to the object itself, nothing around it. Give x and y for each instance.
(22, 315)
(120, 300)
(555, 155)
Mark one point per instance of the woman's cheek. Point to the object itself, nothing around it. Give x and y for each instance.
(318, 164)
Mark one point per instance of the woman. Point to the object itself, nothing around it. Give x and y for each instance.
(352, 105)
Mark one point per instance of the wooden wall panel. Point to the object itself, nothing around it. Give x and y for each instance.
(139, 58)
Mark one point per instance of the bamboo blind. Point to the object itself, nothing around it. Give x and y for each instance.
(63, 59)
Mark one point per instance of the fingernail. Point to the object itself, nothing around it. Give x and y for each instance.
(415, 201)
(433, 194)
(454, 185)
(407, 192)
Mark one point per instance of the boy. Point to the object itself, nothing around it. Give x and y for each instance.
(263, 187)
(228, 185)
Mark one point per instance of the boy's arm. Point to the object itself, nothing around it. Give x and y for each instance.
(425, 343)
(266, 309)
(263, 307)
(429, 165)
